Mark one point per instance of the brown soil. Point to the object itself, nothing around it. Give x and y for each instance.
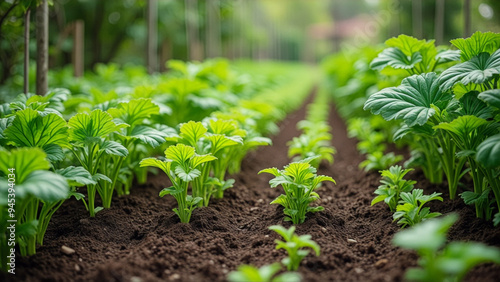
(140, 238)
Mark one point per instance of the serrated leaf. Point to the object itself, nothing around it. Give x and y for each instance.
(447, 56)
(85, 126)
(478, 43)
(77, 174)
(101, 177)
(54, 152)
(114, 148)
(274, 171)
(45, 186)
(149, 135)
(478, 70)
(472, 105)
(135, 111)
(192, 132)
(179, 153)
(219, 142)
(153, 162)
(396, 59)
(197, 160)
(405, 43)
(411, 101)
(492, 97)
(30, 129)
(186, 176)
(488, 152)
(24, 161)
(463, 125)
(300, 171)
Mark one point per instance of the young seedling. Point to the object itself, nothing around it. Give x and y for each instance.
(89, 137)
(441, 261)
(267, 273)
(294, 245)
(299, 180)
(181, 166)
(379, 160)
(392, 186)
(410, 210)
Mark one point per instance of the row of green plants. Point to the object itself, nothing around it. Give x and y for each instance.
(53, 145)
(448, 111)
(440, 102)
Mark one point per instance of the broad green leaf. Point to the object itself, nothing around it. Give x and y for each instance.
(492, 97)
(478, 70)
(85, 127)
(135, 111)
(478, 43)
(405, 43)
(149, 135)
(192, 132)
(179, 153)
(197, 160)
(411, 101)
(447, 56)
(168, 191)
(101, 177)
(165, 166)
(54, 152)
(114, 148)
(429, 235)
(459, 257)
(24, 161)
(220, 142)
(463, 125)
(45, 186)
(77, 175)
(186, 176)
(274, 171)
(396, 59)
(320, 178)
(488, 152)
(219, 126)
(30, 129)
(472, 105)
(301, 172)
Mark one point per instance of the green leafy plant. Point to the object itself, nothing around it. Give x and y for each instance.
(392, 186)
(315, 141)
(378, 160)
(294, 245)
(181, 166)
(89, 137)
(410, 210)
(441, 261)
(30, 194)
(299, 180)
(266, 273)
(137, 114)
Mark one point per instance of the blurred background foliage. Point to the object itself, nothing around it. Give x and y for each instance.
(295, 30)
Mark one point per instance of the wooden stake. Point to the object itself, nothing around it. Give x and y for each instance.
(27, 51)
(42, 47)
(78, 47)
(152, 41)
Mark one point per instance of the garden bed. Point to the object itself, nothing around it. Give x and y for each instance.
(141, 239)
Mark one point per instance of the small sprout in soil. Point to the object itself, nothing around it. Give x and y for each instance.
(299, 180)
(410, 210)
(266, 273)
(293, 245)
(441, 261)
(392, 186)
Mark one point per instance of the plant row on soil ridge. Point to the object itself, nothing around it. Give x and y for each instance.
(55, 144)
